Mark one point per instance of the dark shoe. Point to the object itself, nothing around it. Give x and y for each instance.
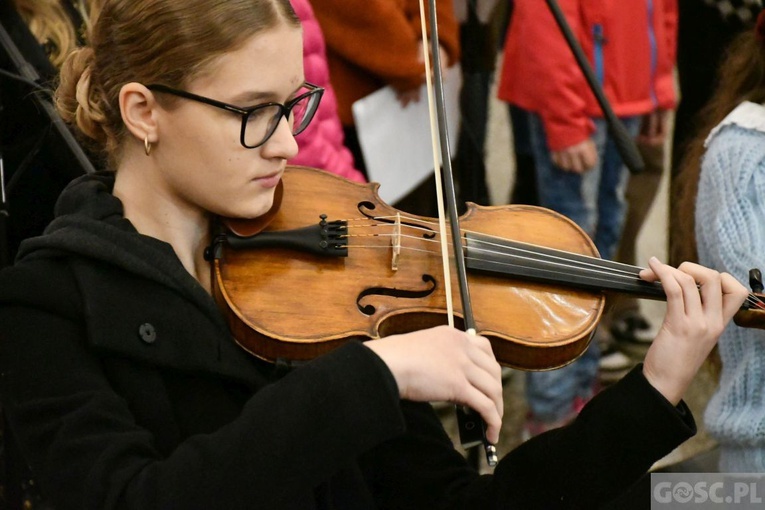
(632, 327)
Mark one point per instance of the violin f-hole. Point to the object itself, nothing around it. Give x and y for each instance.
(370, 310)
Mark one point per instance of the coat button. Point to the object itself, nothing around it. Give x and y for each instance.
(147, 333)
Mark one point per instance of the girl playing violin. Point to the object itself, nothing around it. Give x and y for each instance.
(121, 383)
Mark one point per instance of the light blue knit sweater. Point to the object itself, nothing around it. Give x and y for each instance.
(730, 232)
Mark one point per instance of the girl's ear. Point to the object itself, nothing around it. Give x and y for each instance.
(138, 108)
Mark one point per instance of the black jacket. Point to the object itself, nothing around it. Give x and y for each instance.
(124, 389)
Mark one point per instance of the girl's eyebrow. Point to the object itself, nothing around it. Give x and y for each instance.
(253, 97)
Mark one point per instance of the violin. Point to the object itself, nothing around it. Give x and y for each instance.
(332, 262)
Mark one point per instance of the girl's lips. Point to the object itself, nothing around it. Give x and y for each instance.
(269, 181)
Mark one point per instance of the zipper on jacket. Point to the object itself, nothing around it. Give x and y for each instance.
(653, 49)
(598, 42)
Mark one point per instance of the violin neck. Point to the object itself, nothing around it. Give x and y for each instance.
(546, 265)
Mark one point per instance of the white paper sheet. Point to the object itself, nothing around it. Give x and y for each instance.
(396, 140)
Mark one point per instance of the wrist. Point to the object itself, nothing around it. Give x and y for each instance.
(379, 348)
(671, 387)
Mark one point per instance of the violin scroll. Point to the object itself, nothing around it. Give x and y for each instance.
(752, 314)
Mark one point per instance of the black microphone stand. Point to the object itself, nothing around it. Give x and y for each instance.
(4, 251)
(29, 74)
(624, 142)
(23, 71)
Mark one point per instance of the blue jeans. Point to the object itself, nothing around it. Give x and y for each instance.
(594, 201)
(550, 395)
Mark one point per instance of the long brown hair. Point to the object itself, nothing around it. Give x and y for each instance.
(741, 77)
(152, 41)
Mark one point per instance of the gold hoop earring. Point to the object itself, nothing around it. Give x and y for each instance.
(147, 145)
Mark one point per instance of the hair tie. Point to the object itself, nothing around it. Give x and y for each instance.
(760, 27)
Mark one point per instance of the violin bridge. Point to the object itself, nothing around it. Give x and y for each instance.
(395, 242)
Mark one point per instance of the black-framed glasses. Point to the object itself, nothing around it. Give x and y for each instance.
(259, 122)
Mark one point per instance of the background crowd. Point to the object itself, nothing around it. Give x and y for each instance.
(657, 63)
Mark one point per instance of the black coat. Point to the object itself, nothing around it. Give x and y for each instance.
(124, 389)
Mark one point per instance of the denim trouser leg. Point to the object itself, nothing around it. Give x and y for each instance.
(550, 395)
(614, 176)
(595, 201)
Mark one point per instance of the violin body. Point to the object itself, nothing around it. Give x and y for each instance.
(288, 304)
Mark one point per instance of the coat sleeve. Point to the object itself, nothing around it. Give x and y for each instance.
(671, 27)
(610, 446)
(664, 79)
(565, 88)
(448, 26)
(84, 446)
(378, 36)
(613, 442)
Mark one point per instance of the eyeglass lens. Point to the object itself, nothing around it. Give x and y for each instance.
(262, 123)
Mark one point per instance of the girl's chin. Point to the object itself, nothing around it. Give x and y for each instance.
(247, 205)
(253, 211)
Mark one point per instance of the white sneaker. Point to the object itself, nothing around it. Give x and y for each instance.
(614, 365)
(615, 361)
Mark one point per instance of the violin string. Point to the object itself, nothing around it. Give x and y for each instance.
(751, 299)
(564, 256)
(559, 266)
(595, 265)
(499, 240)
(630, 274)
(403, 236)
(562, 269)
(756, 301)
(598, 264)
(371, 247)
(391, 225)
(593, 268)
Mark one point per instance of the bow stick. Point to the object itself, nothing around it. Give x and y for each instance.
(472, 429)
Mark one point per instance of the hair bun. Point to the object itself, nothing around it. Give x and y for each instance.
(78, 99)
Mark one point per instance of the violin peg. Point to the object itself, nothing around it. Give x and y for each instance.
(755, 280)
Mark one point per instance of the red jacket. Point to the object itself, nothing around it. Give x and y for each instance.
(631, 45)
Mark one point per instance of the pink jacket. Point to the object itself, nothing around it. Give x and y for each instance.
(631, 45)
(321, 144)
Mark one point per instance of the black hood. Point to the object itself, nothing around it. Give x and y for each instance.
(89, 222)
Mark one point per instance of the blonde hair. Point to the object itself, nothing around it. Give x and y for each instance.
(152, 41)
(51, 25)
